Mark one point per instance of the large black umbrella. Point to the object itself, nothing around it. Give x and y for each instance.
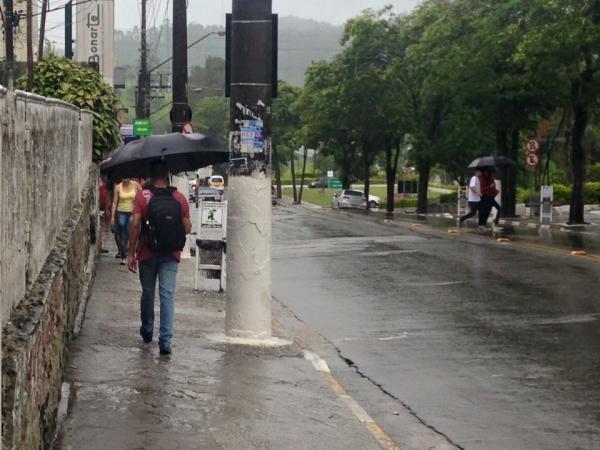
(181, 152)
(491, 161)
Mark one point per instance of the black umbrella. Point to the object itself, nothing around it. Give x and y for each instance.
(491, 161)
(181, 152)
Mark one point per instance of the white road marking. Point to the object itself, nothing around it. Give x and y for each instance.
(318, 363)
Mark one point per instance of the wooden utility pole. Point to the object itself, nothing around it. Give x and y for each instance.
(142, 110)
(69, 30)
(181, 112)
(29, 46)
(8, 40)
(42, 29)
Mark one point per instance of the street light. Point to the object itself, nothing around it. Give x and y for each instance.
(212, 33)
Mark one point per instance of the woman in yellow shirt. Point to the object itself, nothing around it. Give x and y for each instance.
(122, 212)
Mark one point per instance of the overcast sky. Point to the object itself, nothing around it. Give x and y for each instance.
(212, 12)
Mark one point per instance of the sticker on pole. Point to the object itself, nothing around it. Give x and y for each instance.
(252, 137)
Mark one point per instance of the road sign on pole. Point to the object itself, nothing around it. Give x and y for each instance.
(533, 146)
(533, 159)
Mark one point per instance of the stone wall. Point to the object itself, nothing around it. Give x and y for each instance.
(48, 204)
(45, 158)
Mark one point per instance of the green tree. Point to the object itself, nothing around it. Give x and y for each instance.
(325, 116)
(286, 132)
(62, 79)
(562, 43)
(211, 116)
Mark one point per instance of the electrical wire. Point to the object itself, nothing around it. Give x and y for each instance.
(80, 2)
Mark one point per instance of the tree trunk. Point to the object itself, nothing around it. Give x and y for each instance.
(293, 170)
(303, 173)
(346, 166)
(576, 210)
(509, 178)
(277, 171)
(391, 166)
(502, 148)
(367, 167)
(424, 168)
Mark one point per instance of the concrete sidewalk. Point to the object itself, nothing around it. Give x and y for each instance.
(124, 395)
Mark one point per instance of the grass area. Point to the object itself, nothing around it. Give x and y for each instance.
(322, 197)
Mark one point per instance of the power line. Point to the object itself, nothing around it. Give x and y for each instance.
(81, 2)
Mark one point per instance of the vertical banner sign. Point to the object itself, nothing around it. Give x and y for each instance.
(94, 43)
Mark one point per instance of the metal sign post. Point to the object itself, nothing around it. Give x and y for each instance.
(462, 206)
(212, 236)
(546, 201)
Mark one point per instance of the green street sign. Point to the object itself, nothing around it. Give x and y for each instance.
(334, 183)
(142, 127)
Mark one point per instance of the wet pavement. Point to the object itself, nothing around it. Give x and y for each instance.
(485, 345)
(124, 395)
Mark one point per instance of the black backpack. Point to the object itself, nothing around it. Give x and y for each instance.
(163, 229)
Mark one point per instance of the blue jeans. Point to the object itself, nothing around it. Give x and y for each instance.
(123, 222)
(163, 268)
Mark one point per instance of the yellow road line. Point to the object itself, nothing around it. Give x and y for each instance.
(529, 245)
(386, 442)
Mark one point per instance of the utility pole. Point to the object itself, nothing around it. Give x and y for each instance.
(251, 47)
(42, 29)
(29, 46)
(69, 30)
(181, 112)
(8, 39)
(142, 110)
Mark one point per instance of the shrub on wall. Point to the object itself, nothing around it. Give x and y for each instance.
(62, 79)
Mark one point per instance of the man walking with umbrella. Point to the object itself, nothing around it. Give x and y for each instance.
(161, 221)
(473, 197)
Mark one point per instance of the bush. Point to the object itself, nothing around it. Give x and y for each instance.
(593, 173)
(62, 79)
(450, 198)
(523, 194)
(562, 194)
(591, 193)
(401, 203)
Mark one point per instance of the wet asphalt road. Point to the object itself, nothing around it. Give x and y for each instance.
(494, 347)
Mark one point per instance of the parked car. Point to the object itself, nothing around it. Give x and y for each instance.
(352, 199)
(349, 199)
(217, 182)
(321, 182)
(374, 201)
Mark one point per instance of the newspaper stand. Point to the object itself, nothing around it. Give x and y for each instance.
(212, 236)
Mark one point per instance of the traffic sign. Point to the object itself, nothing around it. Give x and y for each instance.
(142, 127)
(533, 146)
(533, 159)
(334, 183)
(187, 128)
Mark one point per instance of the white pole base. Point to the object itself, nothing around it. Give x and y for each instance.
(271, 341)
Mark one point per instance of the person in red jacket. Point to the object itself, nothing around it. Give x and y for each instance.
(488, 197)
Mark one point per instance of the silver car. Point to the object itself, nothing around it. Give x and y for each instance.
(349, 199)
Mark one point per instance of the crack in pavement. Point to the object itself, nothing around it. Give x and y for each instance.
(378, 385)
(405, 405)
